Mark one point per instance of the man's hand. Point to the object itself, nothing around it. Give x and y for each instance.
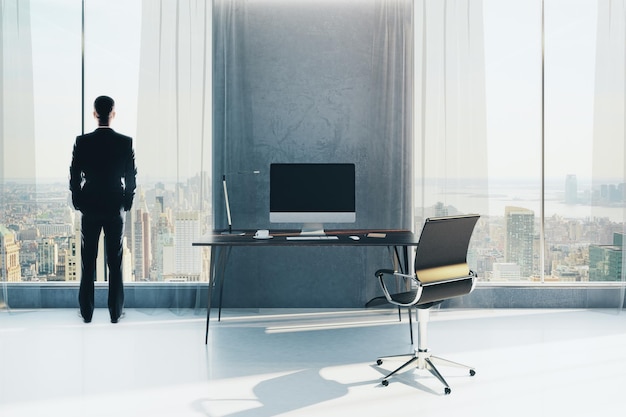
(76, 201)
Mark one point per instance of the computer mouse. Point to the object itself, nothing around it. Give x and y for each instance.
(354, 237)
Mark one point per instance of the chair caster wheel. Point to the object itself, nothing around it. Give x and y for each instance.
(379, 362)
(472, 372)
(447, 391)
(385, 382)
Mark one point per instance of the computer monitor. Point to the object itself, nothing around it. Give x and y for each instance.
(312, 194)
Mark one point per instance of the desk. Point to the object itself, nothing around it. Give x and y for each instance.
(221, 246)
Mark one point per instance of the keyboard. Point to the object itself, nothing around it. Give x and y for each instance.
(312, 237)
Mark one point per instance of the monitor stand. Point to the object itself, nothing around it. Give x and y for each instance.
(312, 229)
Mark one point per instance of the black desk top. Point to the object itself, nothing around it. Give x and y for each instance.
(378, 237)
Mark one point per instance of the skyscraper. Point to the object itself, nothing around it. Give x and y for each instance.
(72, 260)
(605, 261)
(47, 256)
(520, 234)
(188, 258)
(163, 252)
(571, 189)
(506, 271)
(10, 269)
(142, 243)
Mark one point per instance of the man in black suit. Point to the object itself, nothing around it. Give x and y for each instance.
(102, 182)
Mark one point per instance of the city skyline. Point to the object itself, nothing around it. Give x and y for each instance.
(162, 226)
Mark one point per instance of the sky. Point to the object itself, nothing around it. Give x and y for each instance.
(514, 76)
(512, 68)
(112, 40)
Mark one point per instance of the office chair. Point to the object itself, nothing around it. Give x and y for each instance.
(441, 273)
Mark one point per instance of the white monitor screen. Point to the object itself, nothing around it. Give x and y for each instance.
(312, 193)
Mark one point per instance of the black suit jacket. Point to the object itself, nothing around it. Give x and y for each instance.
(103, 173)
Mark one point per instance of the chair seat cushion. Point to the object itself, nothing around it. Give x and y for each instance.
(404, 297)
(444, 290)
(435, 293)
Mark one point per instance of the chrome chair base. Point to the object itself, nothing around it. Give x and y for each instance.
(422, 359)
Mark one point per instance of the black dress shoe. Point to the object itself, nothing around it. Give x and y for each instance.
(117, 319)
(84, 319)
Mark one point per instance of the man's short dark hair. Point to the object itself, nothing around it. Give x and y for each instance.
(103, 106)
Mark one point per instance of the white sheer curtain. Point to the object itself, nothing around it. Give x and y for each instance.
(17, 132)
(173, 145)
(174, 115)
(610, 102)
(450, 132)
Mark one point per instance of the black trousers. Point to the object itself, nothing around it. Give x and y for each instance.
(91, 227)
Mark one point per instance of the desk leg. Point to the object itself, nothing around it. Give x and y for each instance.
(401, 261)
(401, 255)
(223, 259)
(218, 264)
(210, 291)
(407, 268)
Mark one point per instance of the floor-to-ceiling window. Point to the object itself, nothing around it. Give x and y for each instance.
(520, 117)
(154, 59)
(552, 198)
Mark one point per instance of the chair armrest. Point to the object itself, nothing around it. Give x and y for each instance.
(475, 280)
(381, 272)
(381, 279)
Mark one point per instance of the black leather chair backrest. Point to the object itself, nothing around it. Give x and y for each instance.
(444, 241)
(441, 257)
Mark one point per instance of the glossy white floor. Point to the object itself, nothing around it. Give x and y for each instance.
(309, 363)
